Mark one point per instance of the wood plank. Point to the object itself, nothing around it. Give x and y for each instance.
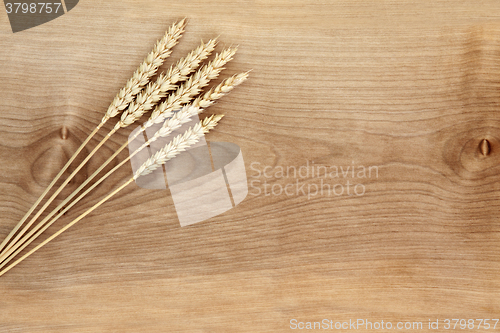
(409, 87)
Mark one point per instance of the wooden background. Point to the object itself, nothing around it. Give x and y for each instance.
(409, 86)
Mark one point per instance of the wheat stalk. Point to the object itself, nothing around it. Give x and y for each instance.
(185, 92)
(220, 90)
(141, 76)
(179, 144)
(182, 117)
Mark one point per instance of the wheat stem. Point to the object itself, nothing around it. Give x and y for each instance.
(179, 144)
(56, 193)
(147, 68)
(67, 226)
(25, 217)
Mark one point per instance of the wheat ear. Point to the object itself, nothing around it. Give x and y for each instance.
(155, 91)
(191, 87)
(182, 116)
(140, 78)
(179, 144)
(186, 112)
(188, 89)
(146, 70)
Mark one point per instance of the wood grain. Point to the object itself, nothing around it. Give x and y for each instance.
(411, 87)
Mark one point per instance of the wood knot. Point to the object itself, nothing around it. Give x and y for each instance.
(64, 133)
(484, 147)
(471, 153)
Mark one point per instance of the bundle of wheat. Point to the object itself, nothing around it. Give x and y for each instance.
(170, 98)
